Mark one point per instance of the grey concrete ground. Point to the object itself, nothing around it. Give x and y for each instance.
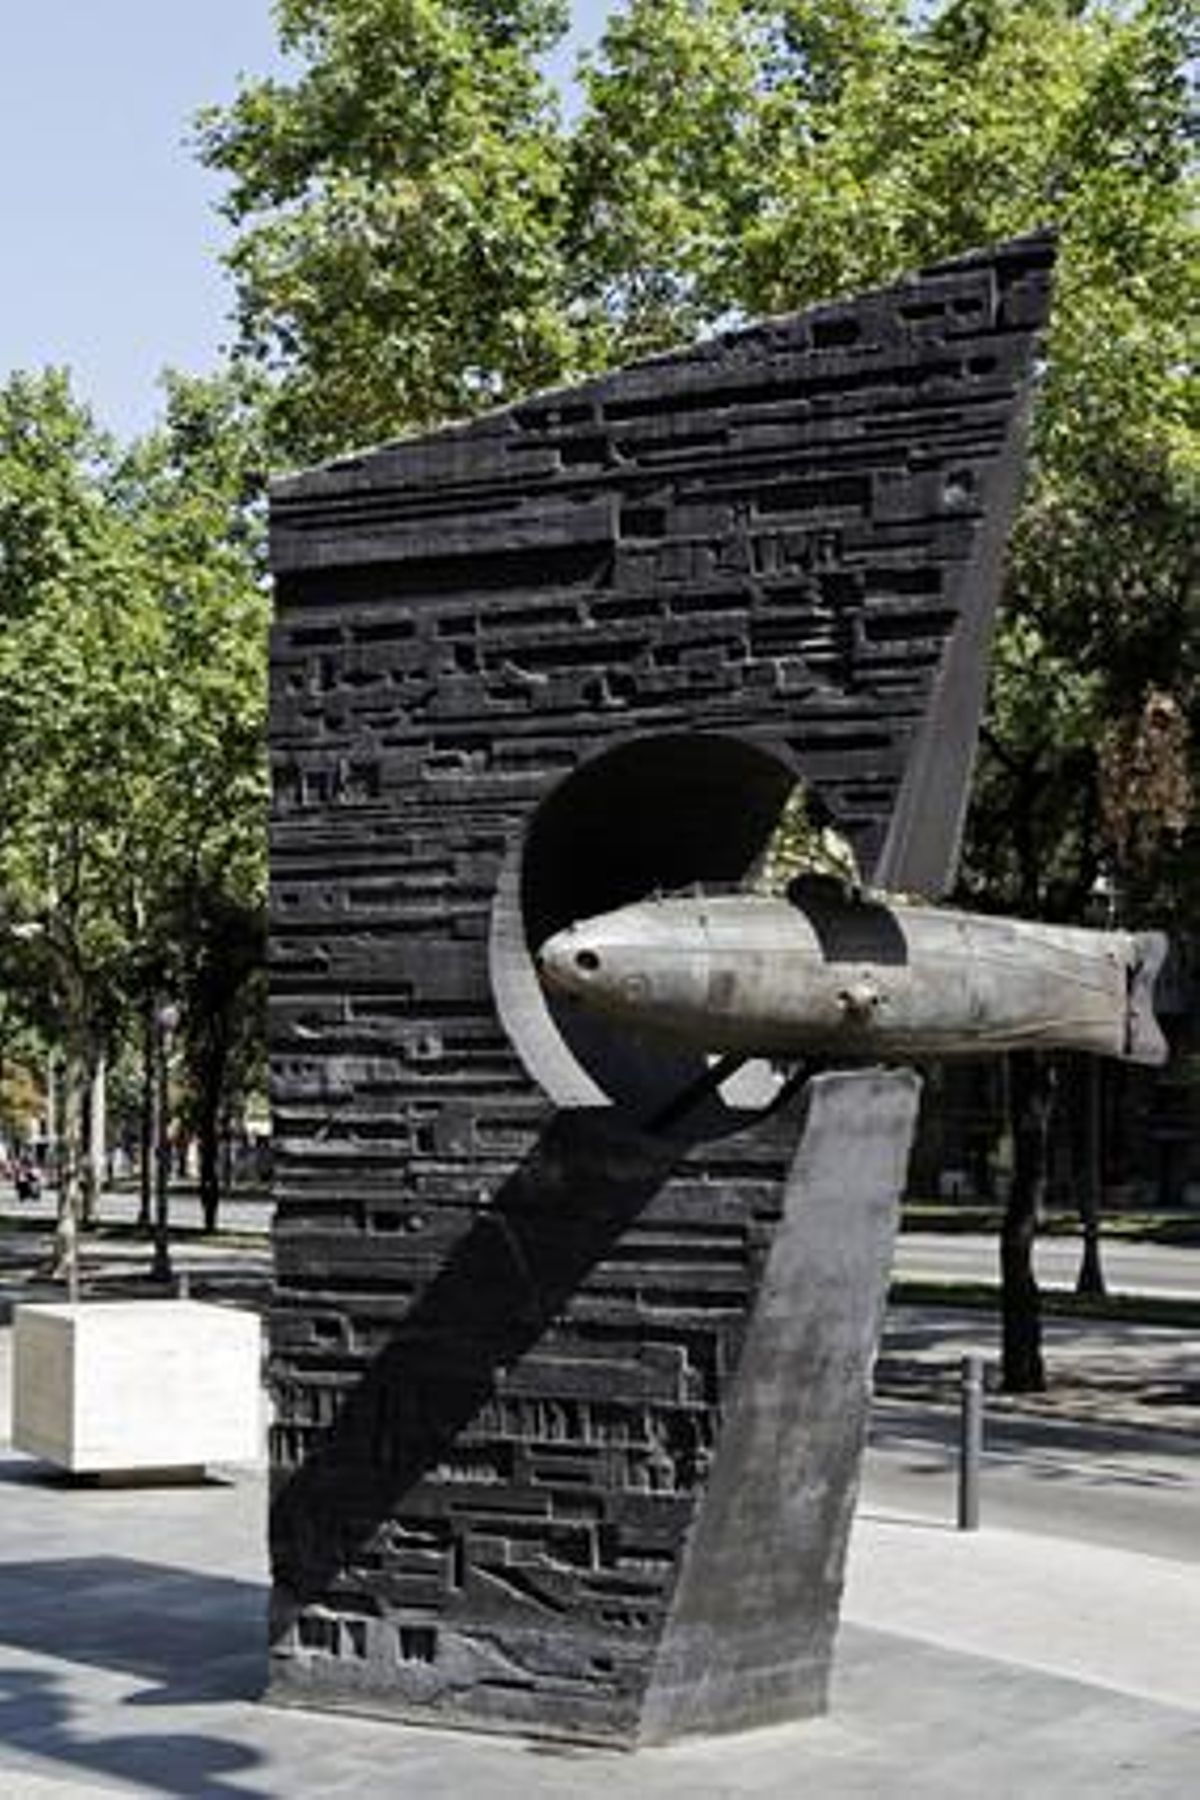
(1171, 1271)
(1111, 1372)
(1165, 1270)
(244, 1210)
(1116, 1488)
(1013, 1661)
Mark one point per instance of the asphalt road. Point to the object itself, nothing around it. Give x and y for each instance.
(1135, 1268)
(120, 1206)
(1100, 1485)
(1109, 1455)
(1165, 1269)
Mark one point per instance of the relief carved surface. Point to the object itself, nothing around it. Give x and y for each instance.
(506, 1327)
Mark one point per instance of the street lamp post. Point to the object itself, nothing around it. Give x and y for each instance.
(1090, 1279)
(166, 1019)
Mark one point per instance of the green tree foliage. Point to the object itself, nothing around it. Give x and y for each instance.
(194, 488)
(191, 495)
(422, 235)
(75, 663)
(132, 702)
(751, 157)
(406, 259)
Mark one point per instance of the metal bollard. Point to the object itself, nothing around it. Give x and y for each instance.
(970, 1441)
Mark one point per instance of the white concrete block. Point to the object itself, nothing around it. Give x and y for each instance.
(137, 1384)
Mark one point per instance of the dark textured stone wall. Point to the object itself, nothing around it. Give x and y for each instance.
(504, 1328)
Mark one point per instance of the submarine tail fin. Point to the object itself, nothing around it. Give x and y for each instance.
(1144, 1041)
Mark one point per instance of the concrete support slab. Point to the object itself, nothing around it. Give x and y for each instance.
(137, 1385)
(749, 1640)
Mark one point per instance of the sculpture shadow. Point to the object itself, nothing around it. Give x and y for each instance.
(548, 1227)
(27, 1471)
(860, 930)
(193, 1638)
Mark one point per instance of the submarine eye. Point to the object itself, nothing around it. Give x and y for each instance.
(587, 960)
(859, 1001)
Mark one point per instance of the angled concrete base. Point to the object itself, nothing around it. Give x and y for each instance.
(749, 1636)
(718, 1605)
(137, 1386)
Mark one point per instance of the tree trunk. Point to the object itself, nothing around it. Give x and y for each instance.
(52, 1120)
(208, 1142)
(1031, 1099)
(1091, 1271)
(65, 1263)
(87, 1189)
(210, 1079)
(95, 1161)
(227, 1146)
(148, 1124)
(161, 1134)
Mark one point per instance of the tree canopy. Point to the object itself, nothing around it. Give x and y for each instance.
(422, 233)
(132, 702)
(407, 258)
(132, 680)
(424, 230)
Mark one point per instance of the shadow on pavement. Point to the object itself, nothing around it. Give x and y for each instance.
(910, 1521)
(1055, 1450)
(193, 1638)
(25, 1470)
(35, 1716)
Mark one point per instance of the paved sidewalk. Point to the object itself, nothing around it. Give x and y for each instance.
(1114, 1619)
(132, 1638)
(1107, 1372)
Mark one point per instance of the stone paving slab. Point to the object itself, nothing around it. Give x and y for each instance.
(907, 1720)
(132, 1643)
(1114, 1619)
(132, 1636)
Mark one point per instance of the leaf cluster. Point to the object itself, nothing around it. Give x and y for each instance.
(422, 233)
(132, 692)
(412, 171)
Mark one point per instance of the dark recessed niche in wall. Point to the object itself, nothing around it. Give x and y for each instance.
(655, 814)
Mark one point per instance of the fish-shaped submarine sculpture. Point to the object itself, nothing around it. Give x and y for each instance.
(830, 971)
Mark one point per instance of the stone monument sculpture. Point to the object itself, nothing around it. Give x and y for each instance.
(823, 970)
(573, 1322)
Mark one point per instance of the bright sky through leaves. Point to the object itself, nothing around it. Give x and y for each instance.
(111, 241)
